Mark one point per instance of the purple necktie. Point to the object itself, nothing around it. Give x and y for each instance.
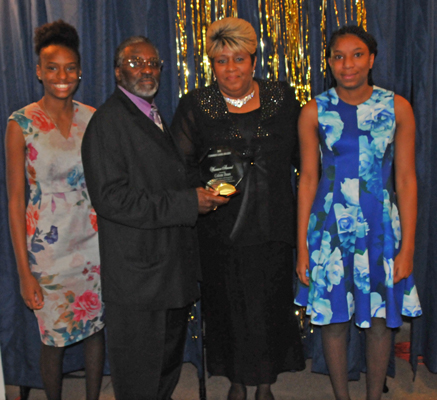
(154, 115)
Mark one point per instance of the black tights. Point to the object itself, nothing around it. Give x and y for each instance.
(51, 367)
(378, 346)
(238, 392)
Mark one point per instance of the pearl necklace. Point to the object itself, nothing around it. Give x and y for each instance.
(240, 102)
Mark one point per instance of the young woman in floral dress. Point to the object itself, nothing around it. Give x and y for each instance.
(55, 235)
(350, 251)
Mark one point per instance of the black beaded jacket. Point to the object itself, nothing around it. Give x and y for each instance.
(266, 207)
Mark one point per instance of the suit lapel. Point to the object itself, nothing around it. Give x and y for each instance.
(167, 132)
(164, 138)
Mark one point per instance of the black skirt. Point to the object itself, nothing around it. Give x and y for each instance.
(252, 332)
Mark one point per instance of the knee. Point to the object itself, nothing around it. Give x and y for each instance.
(335, 330)
(378, 329)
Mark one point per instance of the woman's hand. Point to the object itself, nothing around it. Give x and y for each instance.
(403, 266)
(31, 292)
(303, 266)
(209, 200)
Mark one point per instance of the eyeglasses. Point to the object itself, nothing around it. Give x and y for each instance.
(140, 63)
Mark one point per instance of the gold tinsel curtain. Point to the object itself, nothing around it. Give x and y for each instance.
(284, 37)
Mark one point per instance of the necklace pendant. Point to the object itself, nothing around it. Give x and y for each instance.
(240, 102)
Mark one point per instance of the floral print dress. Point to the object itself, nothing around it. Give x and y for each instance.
(62, 239)
(354, 232)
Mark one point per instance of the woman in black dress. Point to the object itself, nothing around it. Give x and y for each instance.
(246, 246)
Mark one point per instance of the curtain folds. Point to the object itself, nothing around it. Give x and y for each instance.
(424, 100)
(406, 32)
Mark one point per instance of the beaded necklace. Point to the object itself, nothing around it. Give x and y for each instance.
(240, 102)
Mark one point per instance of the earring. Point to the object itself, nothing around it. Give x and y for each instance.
(253, 73)
(80, 77)
(39, 78)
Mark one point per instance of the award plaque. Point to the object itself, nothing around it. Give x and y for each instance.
(222, 169)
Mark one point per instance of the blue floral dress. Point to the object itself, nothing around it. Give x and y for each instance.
(61, 225)
(354, 231)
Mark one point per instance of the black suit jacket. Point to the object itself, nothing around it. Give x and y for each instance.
(146, 211)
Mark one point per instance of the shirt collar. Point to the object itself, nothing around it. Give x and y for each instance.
(143, 105)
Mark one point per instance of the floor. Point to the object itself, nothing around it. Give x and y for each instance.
(302, 385)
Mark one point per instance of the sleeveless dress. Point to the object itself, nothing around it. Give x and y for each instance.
(62, 239)
(354, 232)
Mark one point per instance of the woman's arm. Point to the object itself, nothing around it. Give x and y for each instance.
(406, 185)
(15, 180)
(186, 133)
(308, 181)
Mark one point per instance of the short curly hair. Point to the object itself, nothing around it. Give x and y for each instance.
(59, 33)
(119, 51)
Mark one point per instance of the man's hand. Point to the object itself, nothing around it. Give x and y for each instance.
(209, 200)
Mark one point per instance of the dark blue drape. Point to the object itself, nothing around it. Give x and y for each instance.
(423, 28)
(406, 32)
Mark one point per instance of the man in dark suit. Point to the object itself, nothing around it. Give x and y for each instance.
(146, 215)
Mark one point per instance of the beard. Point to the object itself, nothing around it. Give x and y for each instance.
(138, 88)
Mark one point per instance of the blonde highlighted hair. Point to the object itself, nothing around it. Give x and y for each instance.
(235, 33)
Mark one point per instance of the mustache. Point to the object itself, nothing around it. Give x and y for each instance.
(148, 77)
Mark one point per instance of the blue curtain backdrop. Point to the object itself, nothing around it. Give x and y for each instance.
(406, 31)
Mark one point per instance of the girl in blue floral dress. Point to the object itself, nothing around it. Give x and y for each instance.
(352, 258)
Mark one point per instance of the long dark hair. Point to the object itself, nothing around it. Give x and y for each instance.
(361, 34)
